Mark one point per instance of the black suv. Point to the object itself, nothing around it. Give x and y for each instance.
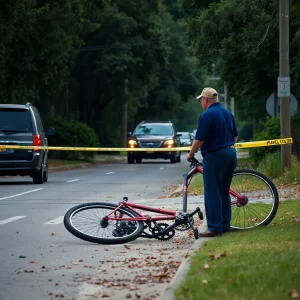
(153, 135)
(21, 125)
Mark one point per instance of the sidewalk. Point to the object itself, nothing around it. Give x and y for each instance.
(176, 204)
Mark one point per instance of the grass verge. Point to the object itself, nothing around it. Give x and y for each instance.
(60, 162)
(259, 263)
(98, 158)
(196, 185)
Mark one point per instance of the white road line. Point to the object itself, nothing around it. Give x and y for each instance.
(56, 221)
(109, 173)
(161, 168)
(12, 196)
(11, 219)
(73, 180)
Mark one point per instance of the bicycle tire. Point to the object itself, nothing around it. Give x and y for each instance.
(91, 214)
(262, 199)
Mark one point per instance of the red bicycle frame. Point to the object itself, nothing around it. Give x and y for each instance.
(186, 179)
(169, 214)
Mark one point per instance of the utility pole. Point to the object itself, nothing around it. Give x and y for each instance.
(284, 81)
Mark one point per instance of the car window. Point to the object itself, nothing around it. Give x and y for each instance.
(38, 119)
(15, 120)
(153, 129)
(185, 135)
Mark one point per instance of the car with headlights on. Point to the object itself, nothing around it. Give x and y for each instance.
(153, 135)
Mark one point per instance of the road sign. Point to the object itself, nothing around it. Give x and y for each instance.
(284, 87)
(270, 106)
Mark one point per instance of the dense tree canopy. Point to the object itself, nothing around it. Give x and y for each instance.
(241, 38)
(94, 60)
(87, 59)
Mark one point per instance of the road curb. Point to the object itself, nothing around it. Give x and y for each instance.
(168, 293)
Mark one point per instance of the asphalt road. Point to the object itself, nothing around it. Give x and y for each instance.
(39, 259)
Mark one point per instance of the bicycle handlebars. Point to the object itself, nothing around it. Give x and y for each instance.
(195, 162)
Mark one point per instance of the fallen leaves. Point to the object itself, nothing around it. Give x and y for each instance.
(294, 294)
(295, 219)
(106, 295)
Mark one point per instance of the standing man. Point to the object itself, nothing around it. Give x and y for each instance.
(216, 135)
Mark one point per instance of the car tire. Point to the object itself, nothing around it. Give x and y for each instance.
(138, 160)
(38, 177)
(173, 159)
(179, 157)
(46, 173)
(130, 159)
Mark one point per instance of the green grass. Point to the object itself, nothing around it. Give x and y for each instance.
(98, 158)
(261, 263)
(246, 183)
(246, 162)
(60, 162)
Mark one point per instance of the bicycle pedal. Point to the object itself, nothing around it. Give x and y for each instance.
(200, 214)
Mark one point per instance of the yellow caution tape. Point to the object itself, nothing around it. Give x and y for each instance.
(264, 143)
(237, 145)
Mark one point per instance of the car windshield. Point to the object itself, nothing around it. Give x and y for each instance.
(153, 129)
(184, 135)
(15, 120)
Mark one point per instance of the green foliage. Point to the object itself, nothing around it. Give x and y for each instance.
(271, 164)
(270, 129)
(245, 130)
(73, 57)
(295, 130)
(241, 38)
(272, 167)
(293, 175)
(72, 134)
(243, 258)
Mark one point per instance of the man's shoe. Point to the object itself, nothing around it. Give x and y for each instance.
(209, 233)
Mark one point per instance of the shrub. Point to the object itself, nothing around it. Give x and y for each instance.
(295, 128)
(272, 167)
(71, 134)
(270, 129)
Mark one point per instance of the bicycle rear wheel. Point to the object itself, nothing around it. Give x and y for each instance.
(85, 221)
(260, 199)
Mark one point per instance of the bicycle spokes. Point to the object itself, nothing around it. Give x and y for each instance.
(254, 199)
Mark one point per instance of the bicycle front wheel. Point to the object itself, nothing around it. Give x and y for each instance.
(86, 222)
(259, 199)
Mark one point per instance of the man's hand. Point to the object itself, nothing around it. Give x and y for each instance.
(189, 157)
(195, 147)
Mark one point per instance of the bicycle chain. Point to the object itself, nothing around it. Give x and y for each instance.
(167, 236)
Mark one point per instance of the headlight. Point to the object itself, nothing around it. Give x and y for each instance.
(169, 143)
(132, 143)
